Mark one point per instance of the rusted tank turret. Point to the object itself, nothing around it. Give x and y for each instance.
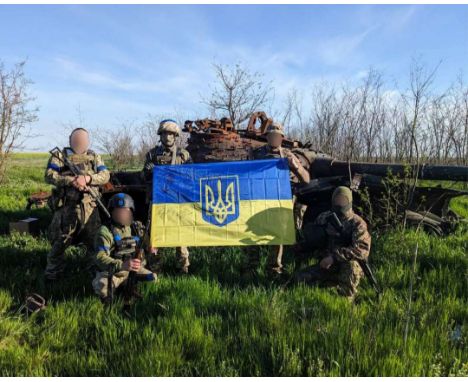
(217, 140)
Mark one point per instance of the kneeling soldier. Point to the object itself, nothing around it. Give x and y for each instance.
(346, 242)
(115, 245)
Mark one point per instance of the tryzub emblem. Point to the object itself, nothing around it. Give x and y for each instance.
(220, 199)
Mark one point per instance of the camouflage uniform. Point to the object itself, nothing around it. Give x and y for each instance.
(113, 245)
(161, 155)
(352, 244)
(76, 218)
(275, 251)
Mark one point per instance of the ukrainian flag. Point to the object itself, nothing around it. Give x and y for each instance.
(223, 203)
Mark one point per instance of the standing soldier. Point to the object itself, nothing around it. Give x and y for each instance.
(76, 218)
(115, 245)
(168, 153)
(299, 174)
(346, 246)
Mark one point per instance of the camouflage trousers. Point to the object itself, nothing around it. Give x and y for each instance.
(274, 261)
(101, 281)
(71, 224)
(182, 255)
(345, 276)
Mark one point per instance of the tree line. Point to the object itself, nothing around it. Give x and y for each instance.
(369, 120)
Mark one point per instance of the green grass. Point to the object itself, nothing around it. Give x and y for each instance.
(209, 324)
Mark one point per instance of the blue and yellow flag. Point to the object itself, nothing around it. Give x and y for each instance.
(223, 203)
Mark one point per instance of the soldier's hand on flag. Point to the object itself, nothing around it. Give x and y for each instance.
(131, 265)
(293, 162)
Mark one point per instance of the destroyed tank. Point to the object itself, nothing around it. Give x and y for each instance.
(218, 140)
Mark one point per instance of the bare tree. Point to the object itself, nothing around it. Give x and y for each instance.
(417, 100)
(238, 92)
(147, 135)
(118, 144)
(16, 112)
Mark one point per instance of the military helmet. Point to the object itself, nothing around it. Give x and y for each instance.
(343, 191)
(121, 200)
(275, 127)
(170, 126)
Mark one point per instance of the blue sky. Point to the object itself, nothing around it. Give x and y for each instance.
(120, 63)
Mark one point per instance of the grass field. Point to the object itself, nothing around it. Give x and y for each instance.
(209, 324)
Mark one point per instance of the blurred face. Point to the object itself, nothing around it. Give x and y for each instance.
(123, 216)
(168, 139)
(79, 141)
(274, 139)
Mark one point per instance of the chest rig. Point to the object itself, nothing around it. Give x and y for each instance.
(124, 245)
(162, 156)
(86, 163)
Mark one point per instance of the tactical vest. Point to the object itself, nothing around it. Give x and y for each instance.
(86, 163)
(164, 157)
(124, 247)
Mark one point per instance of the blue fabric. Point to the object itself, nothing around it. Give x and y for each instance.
(149, 277)
(256, 180)
(168, 120)
(101, 168)
(54, 167)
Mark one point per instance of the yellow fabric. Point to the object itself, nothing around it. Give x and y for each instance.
(260, 222)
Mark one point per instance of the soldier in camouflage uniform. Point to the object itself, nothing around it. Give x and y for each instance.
(115, 245)
(76, 217)
(338, 265)
(168, 153)
(299, 174)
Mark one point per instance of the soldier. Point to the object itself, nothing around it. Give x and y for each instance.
(76, 218)
(344, 246)
(168, 153)
(299, 174)
(115, 244)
